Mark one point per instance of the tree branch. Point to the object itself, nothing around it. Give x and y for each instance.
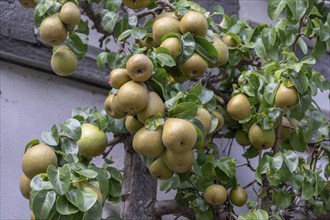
(167, 207)
(298, 35)
(111, 144)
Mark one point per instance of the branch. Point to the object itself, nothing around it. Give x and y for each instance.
(298, 35)
(96, 18)
(111, 144)
(167, 207)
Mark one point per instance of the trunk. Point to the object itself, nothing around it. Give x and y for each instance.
(139, 187)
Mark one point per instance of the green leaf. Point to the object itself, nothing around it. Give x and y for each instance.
(71, 129)
(291, 160)
(95, 212)
(102, 179)
(297, 141)
(154, 122)
(184, 110)
(31, 144)
(85, 199)
(43, 6)
(208, 170)
(165, 59)
(42, 203)
(298, 8)
(38, 184)
(188, 47)
(206, 49)
(227, 165)
(101, 60)
(91, 174)
(282, 199)
(307, 189)
(64, 207)
(260, 49)
(109, 21)
(78, 43)
(255, 215)
(51, 137)
(114, 60)
(138, 33)
(319, 50)
(218, 10)
(117, 126)
(275, 7)
(303, 46)
(125, 35)
(299, 80)
(270, 92)
(69, 146)
(113, 5)
(59, 178)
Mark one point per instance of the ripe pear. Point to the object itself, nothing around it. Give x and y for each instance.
(222, 50)
(132, 124)
(147, 42)
(179, 162)
(179, 135)
(92, 142)
(111, 108)
(139, 67)
(238, 196)
(205, 118)
(85, 184)
(221, 120)
(195, 23)
(155, 105)
(215, 194)
(173, 45)
(64, 62)
(229, 41)
(148, 143)
(28, 3)
(261, 139)
(70, 14)
(132, 97)
(242, 138)
(194, 67)
(24, 186)
(37, 159)
(163, 26)
(118, 77)
(136, 4)
(286, 98)
(166, 14)
(52, 31)
(239, 107)
(159, 169)
(286, 129)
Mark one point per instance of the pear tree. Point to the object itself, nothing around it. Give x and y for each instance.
(179, 83)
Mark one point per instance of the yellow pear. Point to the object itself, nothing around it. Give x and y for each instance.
(139, 67)
(52, 30)
(118, 77)
(24, 186)
(70, 14)
(229, 41)
(111, 108)
(37, 159)
(215, 194)
(179, 162)
(28, 3)
(155, 105)
(136, 4)
(166, 14)
(242, 138)
(179, 135)
(261, 139)
(286, 98)
(238, 196)
(194, 67)
(163, 26)
(148, 143)
(205, 118)
(173, 45)
(239, 107)
(221, 120)
(159, 169)
(64, 62)
(147, 42)
(195, 23)
(222, 50)
(132, 124)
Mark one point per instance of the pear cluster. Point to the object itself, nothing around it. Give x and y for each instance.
(54, 31)
(195, 23)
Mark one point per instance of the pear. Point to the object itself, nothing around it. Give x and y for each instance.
(194, 67)
(139, 67)
(163, 26)
(239, 107)
(222, 50)
(70, 14)
(148, 143)
(132, 97)
(261, 139)
(173, 45)
(179, 162)
(64, 62)
(37, 159)
(136, 4)
(159, 169)
(118, 77)
(28, 3)
(111, 108)
(24, 186)
(132, 124)
(221, 120)
(238, 196)
(92, 142)
(52, 31)
(155, 105)
(286, 98)
(205, 118)
(215, 194)
(229, 41)
(242, 138)
(166, 14)
(195, 23)
(286, 129)
(179, 135)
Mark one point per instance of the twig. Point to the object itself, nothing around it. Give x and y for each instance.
(298, 35)
(250, 184)
(248, 162)
(111, 144)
